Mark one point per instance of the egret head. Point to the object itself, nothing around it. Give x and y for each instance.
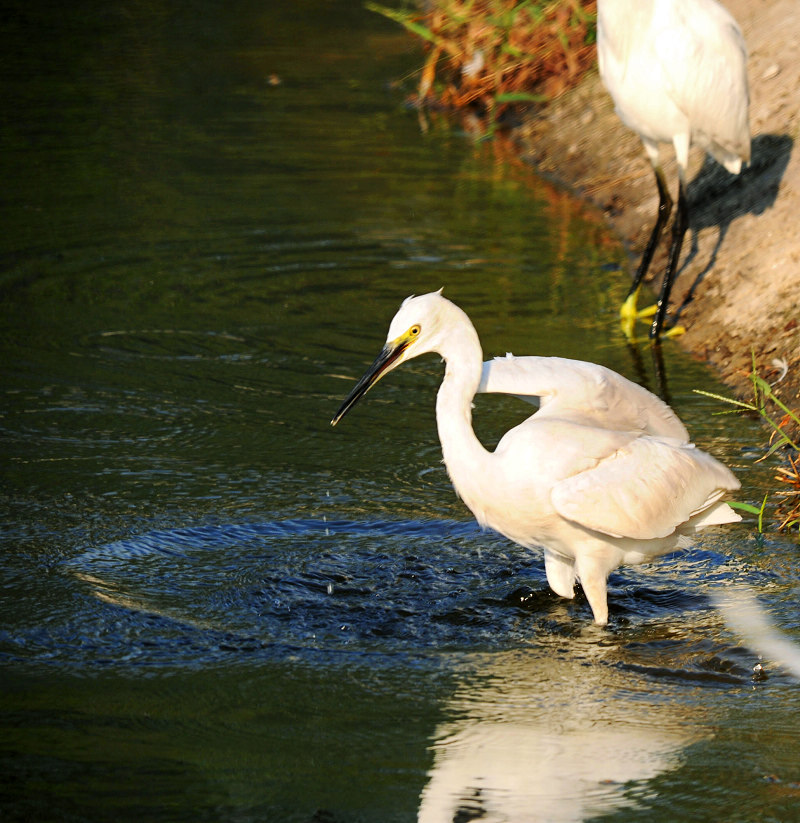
(416, 329)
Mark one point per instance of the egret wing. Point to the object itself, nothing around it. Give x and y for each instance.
(703, 57)
(582, 392)
(645, 490)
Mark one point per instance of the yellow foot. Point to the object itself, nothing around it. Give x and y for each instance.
(675, 331)
(629, 314)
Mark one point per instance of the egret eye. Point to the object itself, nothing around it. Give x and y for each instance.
(414, 331)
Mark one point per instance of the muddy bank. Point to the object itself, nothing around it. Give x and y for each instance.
(739, 285)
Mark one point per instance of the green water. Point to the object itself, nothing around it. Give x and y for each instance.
(214, 606)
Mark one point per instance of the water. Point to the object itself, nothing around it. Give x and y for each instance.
(214, 607)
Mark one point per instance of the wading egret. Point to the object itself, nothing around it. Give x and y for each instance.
(602, 474)
(677, 72)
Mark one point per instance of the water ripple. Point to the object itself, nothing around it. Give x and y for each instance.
(395, 590)
(170, 344)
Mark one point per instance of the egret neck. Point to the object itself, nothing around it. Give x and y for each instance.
(464, 455)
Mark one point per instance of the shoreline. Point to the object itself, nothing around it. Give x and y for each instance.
(738, 288)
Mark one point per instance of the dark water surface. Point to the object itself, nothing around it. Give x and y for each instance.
(214, 606)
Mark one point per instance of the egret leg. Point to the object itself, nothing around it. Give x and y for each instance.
(679, 227)
(593, 574)
(628, 311)
(560, 573)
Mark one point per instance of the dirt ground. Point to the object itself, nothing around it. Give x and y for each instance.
(739, 284)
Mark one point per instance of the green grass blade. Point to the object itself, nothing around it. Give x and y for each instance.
(405, 19)
(520, 97)
(744, 507)
(722, 398)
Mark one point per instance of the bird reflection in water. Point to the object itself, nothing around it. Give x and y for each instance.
(519, 752)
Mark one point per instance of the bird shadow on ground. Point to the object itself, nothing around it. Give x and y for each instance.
(717, 198)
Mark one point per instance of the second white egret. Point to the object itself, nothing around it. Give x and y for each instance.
(601, 475)
(677, 72)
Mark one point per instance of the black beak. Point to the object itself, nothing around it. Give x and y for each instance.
(384, 362)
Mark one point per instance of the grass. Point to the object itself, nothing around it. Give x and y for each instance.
(491, 55)
(785, 436)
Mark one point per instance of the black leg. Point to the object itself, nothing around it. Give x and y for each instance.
(664, 209)
(678, 231)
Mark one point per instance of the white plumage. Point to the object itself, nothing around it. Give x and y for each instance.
(602, 474)
(677, 72)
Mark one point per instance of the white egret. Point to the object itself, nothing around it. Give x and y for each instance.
(602, 474)
(677, 72)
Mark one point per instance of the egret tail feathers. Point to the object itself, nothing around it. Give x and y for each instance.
(715, 516)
